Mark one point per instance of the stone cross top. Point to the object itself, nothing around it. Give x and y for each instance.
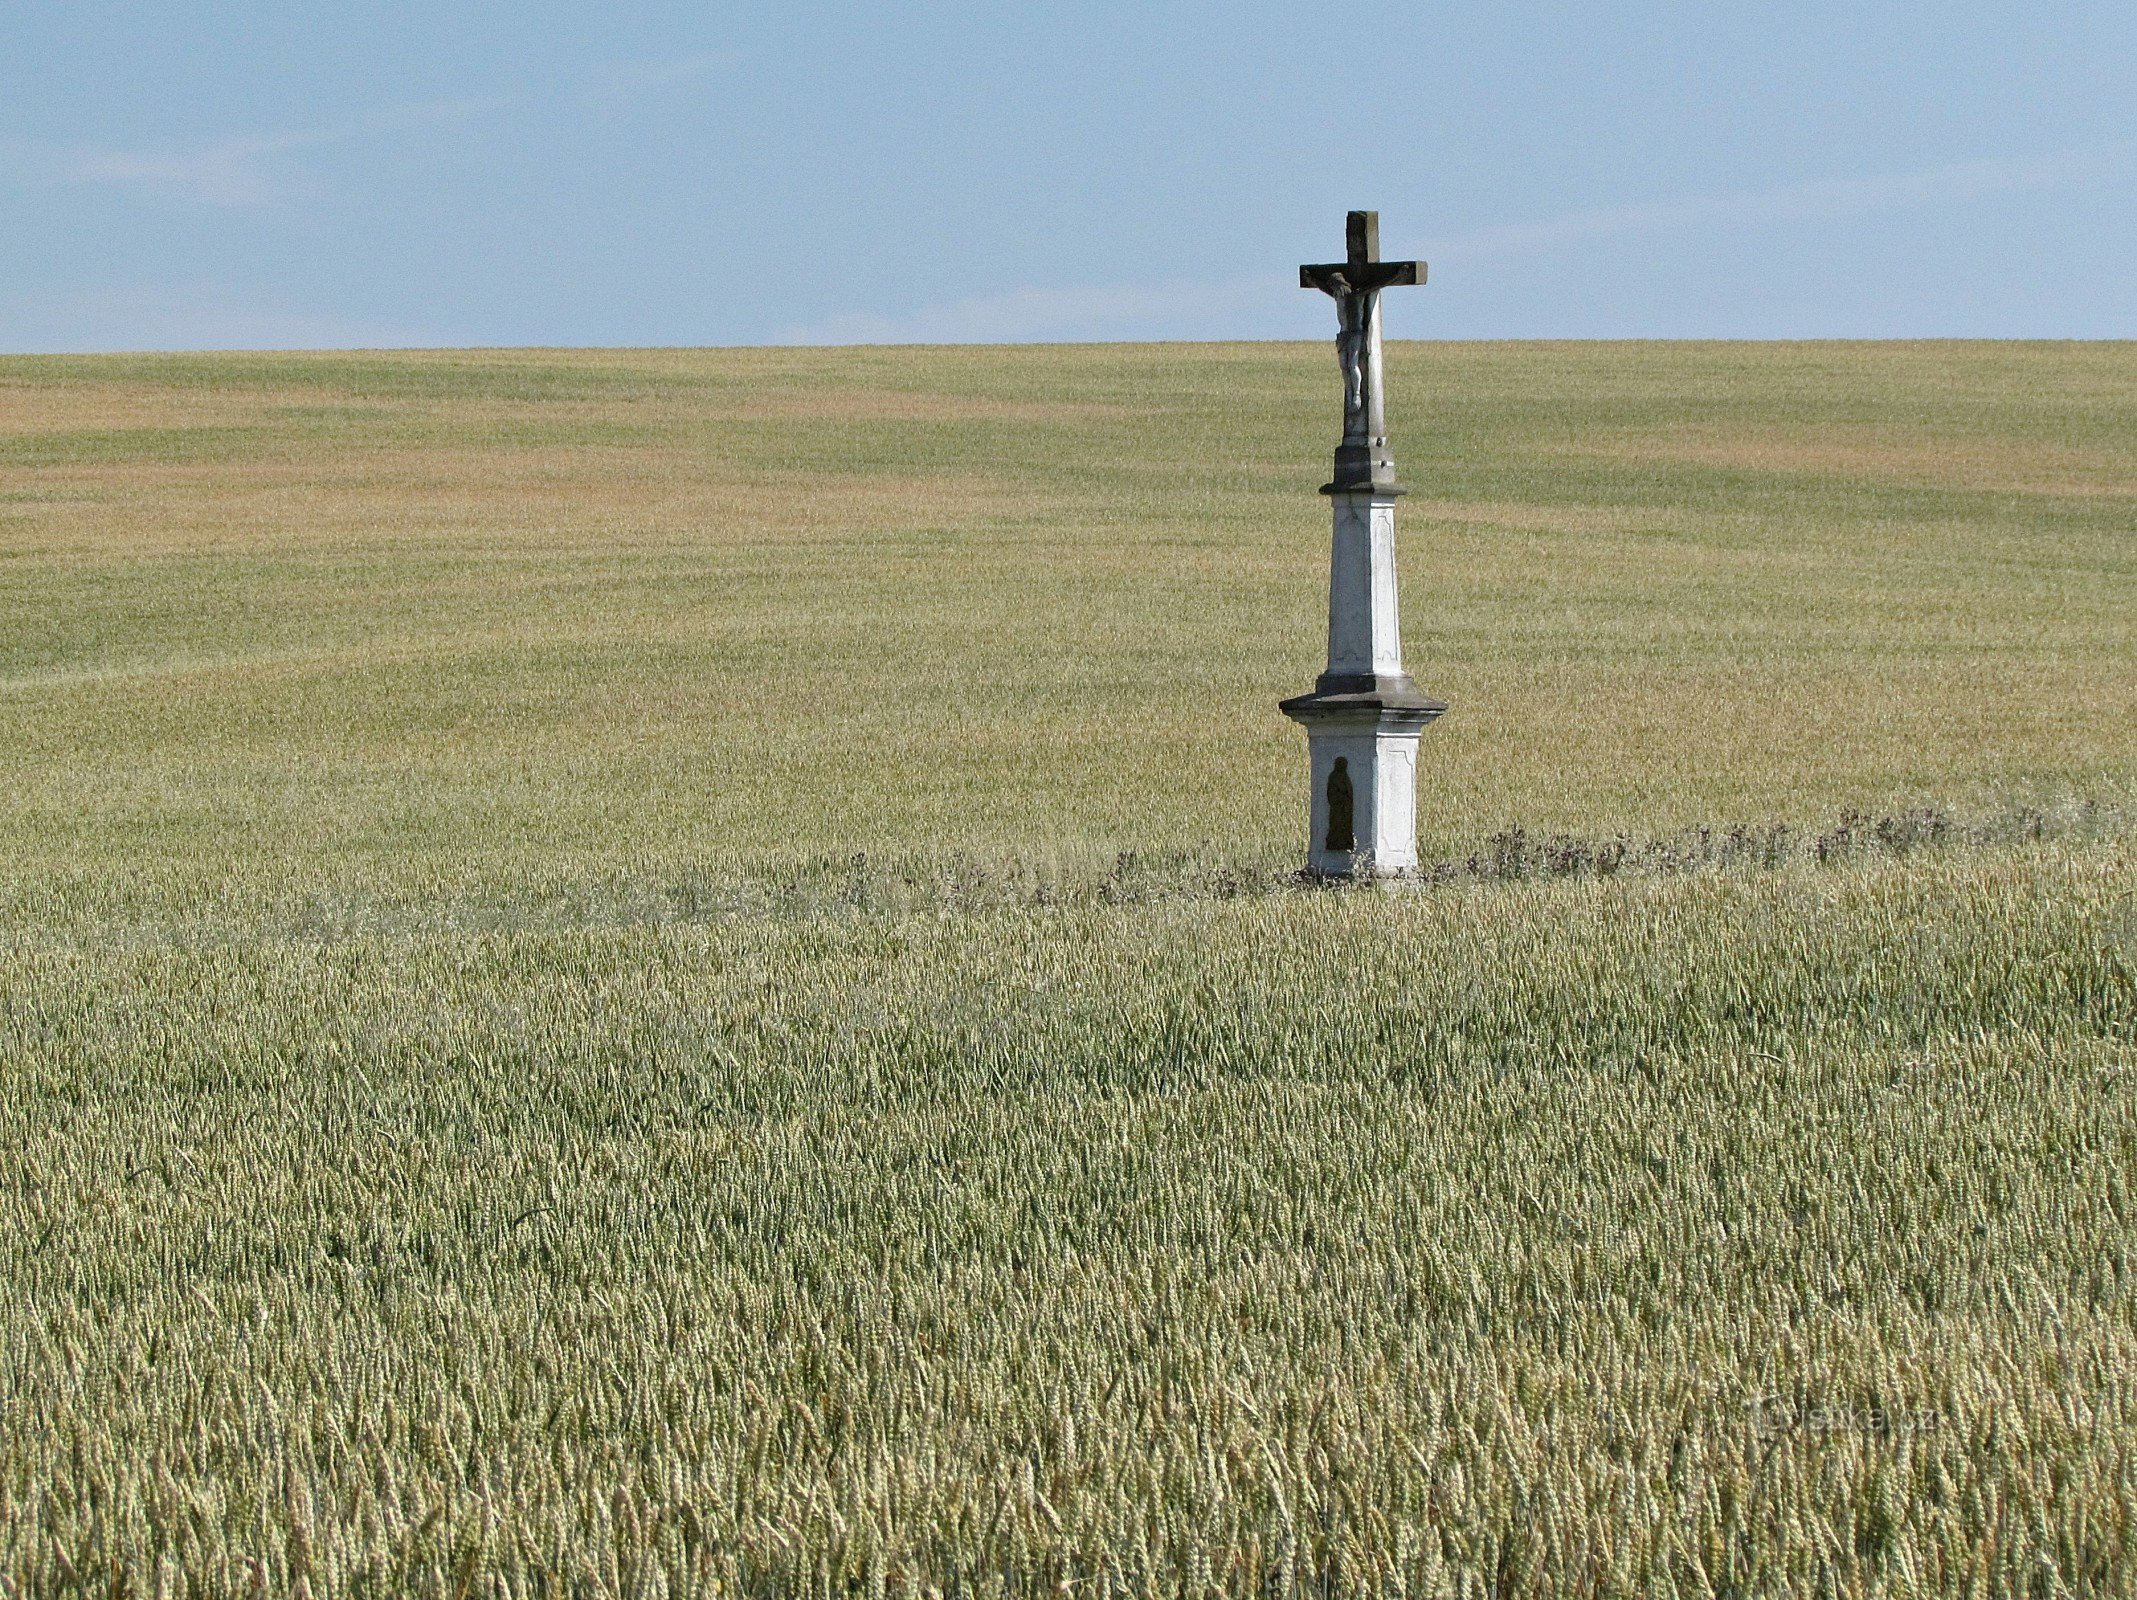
(1362, 459)
(1364, 716)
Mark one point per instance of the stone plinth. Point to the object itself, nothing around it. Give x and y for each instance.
(1364, 715)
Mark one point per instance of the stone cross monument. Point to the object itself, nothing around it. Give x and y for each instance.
(1364, 716)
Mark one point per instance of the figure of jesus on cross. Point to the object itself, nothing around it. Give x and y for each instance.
(1363, 459)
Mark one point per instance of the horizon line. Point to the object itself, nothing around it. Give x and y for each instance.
(1056, 344)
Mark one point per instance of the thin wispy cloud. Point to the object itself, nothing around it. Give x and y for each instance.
(242, 170)
(1955, 183)
(1127, 311)
(660, 72)
(189, 316)
(1023, 314)
(235, 171)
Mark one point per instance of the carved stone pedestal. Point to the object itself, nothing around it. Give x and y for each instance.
(1364, 715)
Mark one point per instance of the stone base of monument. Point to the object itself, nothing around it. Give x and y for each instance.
(1362, 765)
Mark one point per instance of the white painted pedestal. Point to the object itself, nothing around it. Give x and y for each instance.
(1364, 716)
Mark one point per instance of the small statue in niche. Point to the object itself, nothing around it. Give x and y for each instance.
(1340, 836)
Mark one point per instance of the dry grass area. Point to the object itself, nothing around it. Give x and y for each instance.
(672, 972)
(767, 603)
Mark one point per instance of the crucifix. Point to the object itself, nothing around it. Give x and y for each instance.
(1364, 716)
(1355, 284)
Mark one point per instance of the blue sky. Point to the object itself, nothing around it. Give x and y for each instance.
(186, 175)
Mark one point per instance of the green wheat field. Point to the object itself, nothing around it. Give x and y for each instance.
(678, 973)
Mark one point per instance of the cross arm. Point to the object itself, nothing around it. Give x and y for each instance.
(1339, 277)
